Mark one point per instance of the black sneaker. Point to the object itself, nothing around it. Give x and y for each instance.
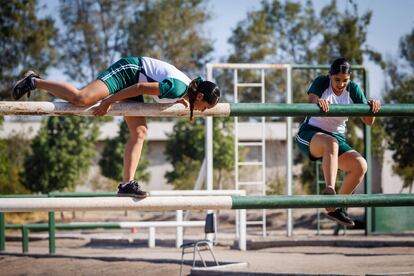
(341, 216)
(25, 85)
(131, 188)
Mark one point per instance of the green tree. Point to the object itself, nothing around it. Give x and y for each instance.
(62, 153)
(400, 89)
(223, 151)
(4, 163)
(185, 151)
(4, 168)
(111, 162)
(93, 33)
(27, 41)
(277, 32)
(171, 30)
(13, 151)
(291, 32)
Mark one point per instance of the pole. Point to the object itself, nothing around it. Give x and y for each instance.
(202, 202)
(52, 230)
(2, 232)
(220, 110)
(289, 154)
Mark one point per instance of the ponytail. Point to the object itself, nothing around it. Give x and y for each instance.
(192, 95)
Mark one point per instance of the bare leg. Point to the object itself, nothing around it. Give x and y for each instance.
(355, 166)
(137, 132)
(90, 94)
(326, 146)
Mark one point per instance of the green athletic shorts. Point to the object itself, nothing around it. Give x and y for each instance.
(122, 74)
(305, 134)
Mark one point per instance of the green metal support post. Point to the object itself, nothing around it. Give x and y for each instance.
(52, 228)
(25, 239)
(2, 233)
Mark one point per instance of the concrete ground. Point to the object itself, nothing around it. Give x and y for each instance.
(125, 253)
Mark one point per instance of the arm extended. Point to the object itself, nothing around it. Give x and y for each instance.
(145, 88)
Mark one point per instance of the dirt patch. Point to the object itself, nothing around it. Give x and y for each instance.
(23, 265)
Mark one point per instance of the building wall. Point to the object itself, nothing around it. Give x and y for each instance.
(391, 183)
(158, 166)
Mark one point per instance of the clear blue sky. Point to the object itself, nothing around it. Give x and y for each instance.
(391, 19)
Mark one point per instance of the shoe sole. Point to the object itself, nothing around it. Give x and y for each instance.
(131, 195)
(28, 73)
(340, 221)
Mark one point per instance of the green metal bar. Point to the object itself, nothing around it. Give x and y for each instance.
(2, 233)
(25, 229)
(22, 196)
(32, 226)
(25, 239)
(305, 109)
(51, 225)
(321, 201)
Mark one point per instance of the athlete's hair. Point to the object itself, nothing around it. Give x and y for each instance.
(340, 65)
(210, 91)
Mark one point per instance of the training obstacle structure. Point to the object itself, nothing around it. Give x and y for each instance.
(220, 110)
(179, 223)
(202, 202)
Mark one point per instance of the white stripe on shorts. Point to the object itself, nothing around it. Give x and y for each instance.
(123, 67)
(300, 140)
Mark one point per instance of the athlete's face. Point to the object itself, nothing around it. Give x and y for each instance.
(201, 105)
(339, 81)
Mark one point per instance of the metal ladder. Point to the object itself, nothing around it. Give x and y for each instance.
(259, 185)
